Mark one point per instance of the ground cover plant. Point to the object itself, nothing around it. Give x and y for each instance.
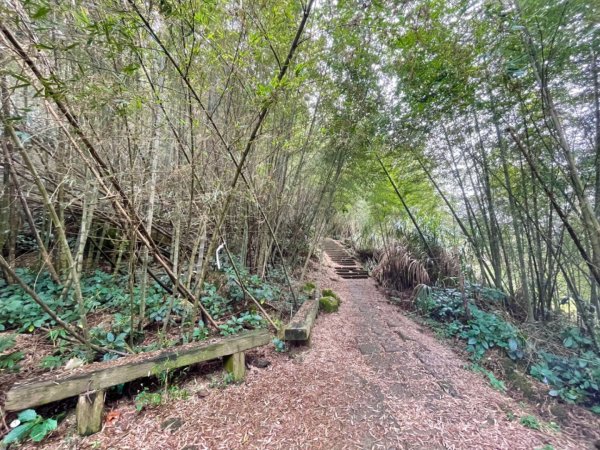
(573, 376)
(108, 298)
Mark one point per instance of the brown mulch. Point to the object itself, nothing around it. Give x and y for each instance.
(371, 379)
(34, 348)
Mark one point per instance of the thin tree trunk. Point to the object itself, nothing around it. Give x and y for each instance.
(149, 218)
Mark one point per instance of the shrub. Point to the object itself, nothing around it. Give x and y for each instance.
(440, 304)
(100, 290)
(482, 331)
(399, 268)
(485, 330)
(574, 379)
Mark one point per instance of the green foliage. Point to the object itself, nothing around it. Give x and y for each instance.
(200, 332)
(223, 381)
(7, 342)
(530, 422)
(32, 425)
(572, 338)
(228, 378)
(279, 345)
(309, 289)
(216, 305)
(236, 324)
(176, 393)
(440, 304)
(260, 289)
(485, 331)
(482, 331)
(489, 294)
(109, 339)
(574, 379)
(145, 399)
(18, 311)
(51, 362)
(10, 360)
(494, 382)
(101, 290)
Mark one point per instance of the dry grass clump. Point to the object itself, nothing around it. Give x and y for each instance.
(399, 269)
(404, 265)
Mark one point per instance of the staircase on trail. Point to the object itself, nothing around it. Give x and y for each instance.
(347, 266)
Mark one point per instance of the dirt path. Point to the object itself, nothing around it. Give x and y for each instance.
(371, 379)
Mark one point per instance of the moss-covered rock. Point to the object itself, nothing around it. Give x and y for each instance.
(329, 304)
(330, 293)
(309, 289)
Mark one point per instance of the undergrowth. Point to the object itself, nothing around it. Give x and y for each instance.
(109, 297)
(574, 378)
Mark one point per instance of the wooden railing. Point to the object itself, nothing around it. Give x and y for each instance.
(89, 383)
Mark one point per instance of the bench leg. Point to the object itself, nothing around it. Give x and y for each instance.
(236, 365)
(89, 413)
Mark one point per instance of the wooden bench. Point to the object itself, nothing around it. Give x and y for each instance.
(89, 383)
(299, 328)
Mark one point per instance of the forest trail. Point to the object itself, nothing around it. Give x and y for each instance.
(372, 378)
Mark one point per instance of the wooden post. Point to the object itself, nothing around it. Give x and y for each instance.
(89, 412)
(301, 325)
(236, 365)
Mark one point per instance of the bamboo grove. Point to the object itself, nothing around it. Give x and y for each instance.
(140, 136)
(484, 136)
(157, 131)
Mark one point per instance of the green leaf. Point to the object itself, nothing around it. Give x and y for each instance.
(40, 431)
(568, 342)
(18, 433)
(41, 12)
(553, 393)
(6, 342)
(28, 415)
(110, 337)
(130, 69)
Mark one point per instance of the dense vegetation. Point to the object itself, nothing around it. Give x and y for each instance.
(169, 169)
